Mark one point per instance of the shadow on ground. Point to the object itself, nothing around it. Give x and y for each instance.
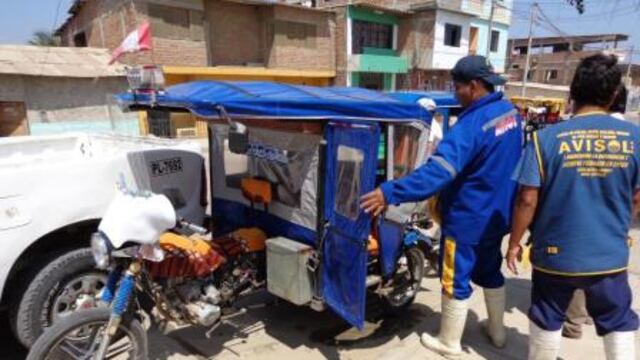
(294, 327)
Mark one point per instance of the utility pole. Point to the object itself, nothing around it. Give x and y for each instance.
(490, 30)
(532, 18)
(629, 66)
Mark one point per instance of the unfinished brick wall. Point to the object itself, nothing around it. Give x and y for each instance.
(386, 3)
(416, 38)
(270, 36)
(237, 33)
(313, 44)
(107, 22)
(341, 46)
(564, 63)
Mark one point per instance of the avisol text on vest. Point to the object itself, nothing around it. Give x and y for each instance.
(595, 152)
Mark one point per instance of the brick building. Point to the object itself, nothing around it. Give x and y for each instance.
(554, 60)
(207, 33)
(380, 44)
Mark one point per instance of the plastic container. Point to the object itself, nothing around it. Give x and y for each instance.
(287, 273)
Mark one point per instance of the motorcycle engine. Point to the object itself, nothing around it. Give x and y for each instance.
(200, 301)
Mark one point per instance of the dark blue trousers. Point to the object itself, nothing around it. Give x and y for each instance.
(608, 301)
(461, 264)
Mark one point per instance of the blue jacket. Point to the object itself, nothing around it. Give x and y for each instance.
(472, 169)
(587, 170)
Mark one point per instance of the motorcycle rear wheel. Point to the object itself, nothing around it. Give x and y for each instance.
(75, 337)
(407, 281)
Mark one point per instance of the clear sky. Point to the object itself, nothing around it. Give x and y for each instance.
(20, 18)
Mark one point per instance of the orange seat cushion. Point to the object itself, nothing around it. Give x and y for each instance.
(257, 191)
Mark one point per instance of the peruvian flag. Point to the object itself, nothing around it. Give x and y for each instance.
(137, 40)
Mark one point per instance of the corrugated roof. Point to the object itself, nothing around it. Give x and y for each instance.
(57, 61)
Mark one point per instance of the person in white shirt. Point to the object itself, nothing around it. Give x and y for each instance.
(619, 106)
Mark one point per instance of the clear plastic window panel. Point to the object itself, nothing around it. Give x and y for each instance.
(283, 159)
(350, 162)
(405, 153)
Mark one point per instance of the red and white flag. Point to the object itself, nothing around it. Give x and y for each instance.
(137, 40)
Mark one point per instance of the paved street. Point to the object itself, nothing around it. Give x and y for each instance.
(279, 330)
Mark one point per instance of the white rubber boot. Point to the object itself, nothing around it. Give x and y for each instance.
(495, 300)
(620, 345)
(543, 344)
(454, 316)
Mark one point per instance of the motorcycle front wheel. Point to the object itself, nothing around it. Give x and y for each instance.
(77, 336)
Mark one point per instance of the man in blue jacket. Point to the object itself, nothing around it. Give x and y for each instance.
(580, 182)
(471, 170)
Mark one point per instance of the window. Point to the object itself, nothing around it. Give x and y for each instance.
(551, 74)
(80, 40)
(296, 34)
(531, 74)
(159, 122)
(350, 161)
(452, 35)
(374, 35)
(406, 141)
(495, 40)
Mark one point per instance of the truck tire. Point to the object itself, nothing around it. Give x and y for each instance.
(62, 286)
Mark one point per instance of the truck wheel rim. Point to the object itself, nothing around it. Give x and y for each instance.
(77, 293)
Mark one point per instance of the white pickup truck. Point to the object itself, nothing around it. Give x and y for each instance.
(53, 191)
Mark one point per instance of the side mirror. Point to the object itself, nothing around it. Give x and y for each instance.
(238, 134)
(238, 139)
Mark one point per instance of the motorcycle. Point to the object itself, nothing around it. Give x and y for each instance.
(155, 270)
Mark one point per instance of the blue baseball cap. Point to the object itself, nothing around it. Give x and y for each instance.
(474, 67)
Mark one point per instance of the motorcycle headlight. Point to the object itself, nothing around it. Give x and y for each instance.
(101, 250)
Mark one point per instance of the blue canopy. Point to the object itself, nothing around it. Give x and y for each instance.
(441, 98)
(278, 101)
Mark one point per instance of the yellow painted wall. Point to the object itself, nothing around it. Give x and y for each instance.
(175, 75)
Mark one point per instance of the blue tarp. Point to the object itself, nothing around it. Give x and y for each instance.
(441, 98)
(256, 99)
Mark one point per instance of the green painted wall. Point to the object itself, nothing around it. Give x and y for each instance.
(355, 79)
(370, 16)
(388, 82)
(383, 64)
(379, 51)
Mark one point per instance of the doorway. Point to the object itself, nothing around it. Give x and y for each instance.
(372, 81)
(473, 40)
(13, 119)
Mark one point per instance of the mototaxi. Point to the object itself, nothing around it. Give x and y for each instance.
(293, 161)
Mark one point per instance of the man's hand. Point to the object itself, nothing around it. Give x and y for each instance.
(373, 202)
(514, 254)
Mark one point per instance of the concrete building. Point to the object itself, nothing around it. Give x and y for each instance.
(52, 90)
(194, 38)
(412, 44)
(451, 30)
